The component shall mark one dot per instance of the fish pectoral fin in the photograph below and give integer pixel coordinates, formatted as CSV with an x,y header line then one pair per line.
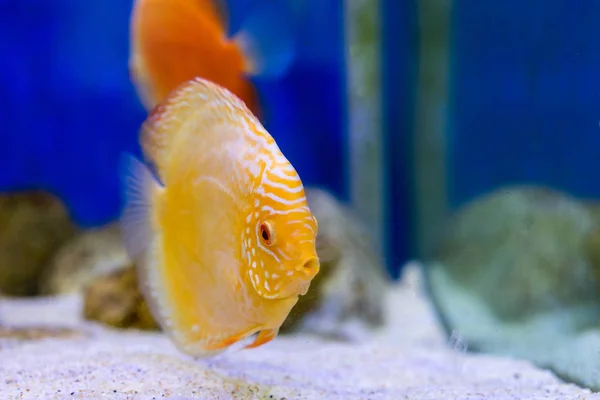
x,y
266,39
263,337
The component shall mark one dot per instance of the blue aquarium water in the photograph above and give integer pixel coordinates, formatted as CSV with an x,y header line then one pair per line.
x,y
523,104
525,96
69,108
399,67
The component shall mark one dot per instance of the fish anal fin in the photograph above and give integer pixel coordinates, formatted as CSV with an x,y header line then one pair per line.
x,y
228,341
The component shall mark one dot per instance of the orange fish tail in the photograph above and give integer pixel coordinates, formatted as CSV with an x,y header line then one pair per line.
x,y
174,41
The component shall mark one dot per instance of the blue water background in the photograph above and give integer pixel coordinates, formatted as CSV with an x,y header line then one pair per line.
x,y
524,101
524,104
68,108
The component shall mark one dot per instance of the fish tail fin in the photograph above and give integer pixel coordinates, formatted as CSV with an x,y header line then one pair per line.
x,y
141,238
139,186
168,42
266,39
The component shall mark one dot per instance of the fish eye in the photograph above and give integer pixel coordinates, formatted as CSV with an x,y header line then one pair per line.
x,y
267,233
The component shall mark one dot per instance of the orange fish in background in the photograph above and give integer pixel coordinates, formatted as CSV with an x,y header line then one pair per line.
x,y
223,237
174,41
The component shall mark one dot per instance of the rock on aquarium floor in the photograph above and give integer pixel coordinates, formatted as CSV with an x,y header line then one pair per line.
x,y
67,358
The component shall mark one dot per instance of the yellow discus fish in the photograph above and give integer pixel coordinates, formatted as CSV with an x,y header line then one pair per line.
x,y
223,237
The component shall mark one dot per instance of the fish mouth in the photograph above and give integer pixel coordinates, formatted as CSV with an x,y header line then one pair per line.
x,y
298,283
306,271
309,268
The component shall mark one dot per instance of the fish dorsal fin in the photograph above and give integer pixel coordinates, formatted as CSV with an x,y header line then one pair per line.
x,y
204,101
219,9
